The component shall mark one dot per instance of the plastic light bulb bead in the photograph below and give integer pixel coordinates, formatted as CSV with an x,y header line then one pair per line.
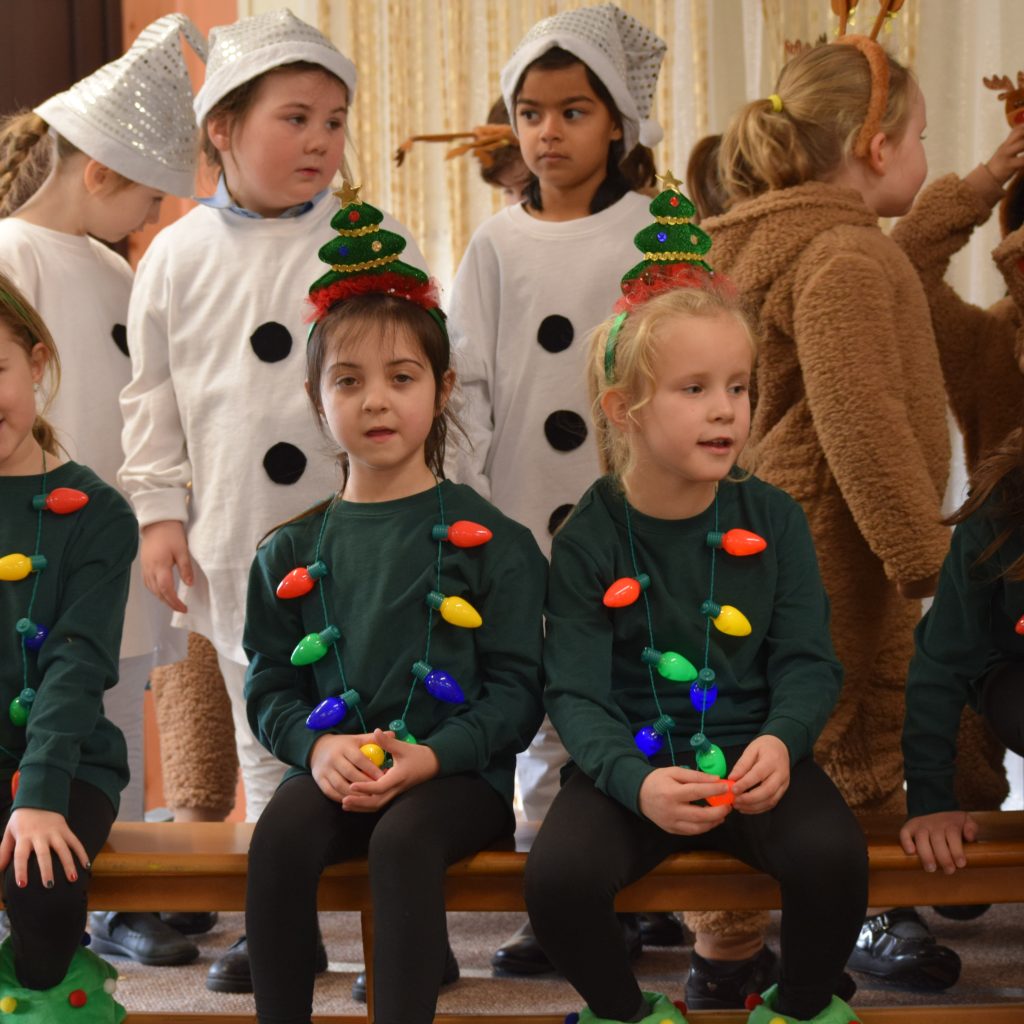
x,y
401,731
651,738
15,781
704,692
17,566
670,665
726,618
300,581
32,634
313,646
373,752
737,542
19,708
440,685
723,798
61,500
456,610
463,533
626,591
332,711
709,757
1019,628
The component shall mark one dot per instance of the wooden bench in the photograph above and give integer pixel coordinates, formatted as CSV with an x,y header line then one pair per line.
x,y
203,867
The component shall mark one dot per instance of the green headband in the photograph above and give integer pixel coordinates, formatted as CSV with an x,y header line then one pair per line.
x,y
609,346
18,308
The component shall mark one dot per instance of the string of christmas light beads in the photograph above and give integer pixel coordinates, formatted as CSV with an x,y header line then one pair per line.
x,y
439,684
670,665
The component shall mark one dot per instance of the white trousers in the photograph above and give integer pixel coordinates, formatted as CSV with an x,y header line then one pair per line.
x,y
538,770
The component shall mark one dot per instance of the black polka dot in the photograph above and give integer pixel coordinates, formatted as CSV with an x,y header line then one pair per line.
x,y
555,333
284,463
271,342
558,517
565,430
120,335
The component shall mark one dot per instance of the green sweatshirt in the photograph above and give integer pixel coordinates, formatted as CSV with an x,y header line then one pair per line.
x,y
781,680
80,598
968,629
382,563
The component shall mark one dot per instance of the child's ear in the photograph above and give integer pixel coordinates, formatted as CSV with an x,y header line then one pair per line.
x,y
97,178
445,391
878,155
38,359
615,406
218,130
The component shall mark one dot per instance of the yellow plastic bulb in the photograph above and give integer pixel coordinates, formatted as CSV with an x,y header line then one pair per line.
x,y
459,612
373,753
18,566
732,621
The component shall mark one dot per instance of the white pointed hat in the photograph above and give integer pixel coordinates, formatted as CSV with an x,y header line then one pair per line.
x,y
135,113
253,46
622,52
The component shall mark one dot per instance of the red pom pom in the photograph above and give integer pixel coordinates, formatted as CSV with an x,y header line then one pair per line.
x,y
423,293
680,1006
751,1001
674,201
353,216
78,999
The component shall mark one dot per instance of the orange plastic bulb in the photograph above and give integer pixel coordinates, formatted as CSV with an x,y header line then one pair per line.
x,y
61,500
737,542
463,534
723,798
625,591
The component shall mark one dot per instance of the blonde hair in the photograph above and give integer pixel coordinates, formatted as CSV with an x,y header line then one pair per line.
x,y
19,316
26,158
634,375
825,94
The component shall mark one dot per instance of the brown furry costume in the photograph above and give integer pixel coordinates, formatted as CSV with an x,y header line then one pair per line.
x,y
850,420
193,715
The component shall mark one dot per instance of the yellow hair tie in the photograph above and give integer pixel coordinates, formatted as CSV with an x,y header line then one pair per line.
x,y
776,101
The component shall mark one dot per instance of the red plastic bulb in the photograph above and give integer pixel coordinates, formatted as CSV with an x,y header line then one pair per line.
x,y
738,542
15,779
625,591
61,500
1019,628
463,533
300,581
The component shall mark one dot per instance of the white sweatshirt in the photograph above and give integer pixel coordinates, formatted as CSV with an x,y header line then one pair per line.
x,y
219,433
525,299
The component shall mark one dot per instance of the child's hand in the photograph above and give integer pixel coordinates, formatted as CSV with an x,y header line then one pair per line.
x,y
1008,159
164,548
761,775
337,762
668,795
939,839
31,830
412,763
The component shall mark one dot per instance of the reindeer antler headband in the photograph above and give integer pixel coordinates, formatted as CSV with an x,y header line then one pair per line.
x,y
878,64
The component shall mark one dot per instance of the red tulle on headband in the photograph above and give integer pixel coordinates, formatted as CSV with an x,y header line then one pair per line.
x,y
657,279
424,293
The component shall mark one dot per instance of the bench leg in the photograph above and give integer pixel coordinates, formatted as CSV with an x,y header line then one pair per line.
x,y
366,920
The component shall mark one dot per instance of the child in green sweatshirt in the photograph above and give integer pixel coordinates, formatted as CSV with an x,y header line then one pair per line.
x,y
969,649
67,541
397,669
688,660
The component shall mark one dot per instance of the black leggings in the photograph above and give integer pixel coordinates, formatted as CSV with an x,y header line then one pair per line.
x,y
1002,704
590,847
410,844
47,924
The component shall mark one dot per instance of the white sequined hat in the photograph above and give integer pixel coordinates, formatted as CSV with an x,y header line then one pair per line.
x,y
622,52
253,46
135,113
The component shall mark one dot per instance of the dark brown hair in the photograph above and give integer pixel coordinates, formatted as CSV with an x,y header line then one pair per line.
x,y
1000,476
703,181
625,172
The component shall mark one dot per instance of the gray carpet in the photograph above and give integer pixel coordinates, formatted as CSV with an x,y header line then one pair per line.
x,y
991,948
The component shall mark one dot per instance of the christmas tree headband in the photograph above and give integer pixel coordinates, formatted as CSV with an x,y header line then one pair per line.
x,y
878,65
365,260
673,249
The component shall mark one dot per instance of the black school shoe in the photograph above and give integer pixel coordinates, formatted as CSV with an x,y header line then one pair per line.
x,y
190,922
662,929
897,948
231,972
522,955
449,977
142,937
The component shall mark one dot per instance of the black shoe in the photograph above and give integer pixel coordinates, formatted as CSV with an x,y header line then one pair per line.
x,y
963,911
142,937
663,929
725,985
191,922
231,972
522,955
449,977
896,947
